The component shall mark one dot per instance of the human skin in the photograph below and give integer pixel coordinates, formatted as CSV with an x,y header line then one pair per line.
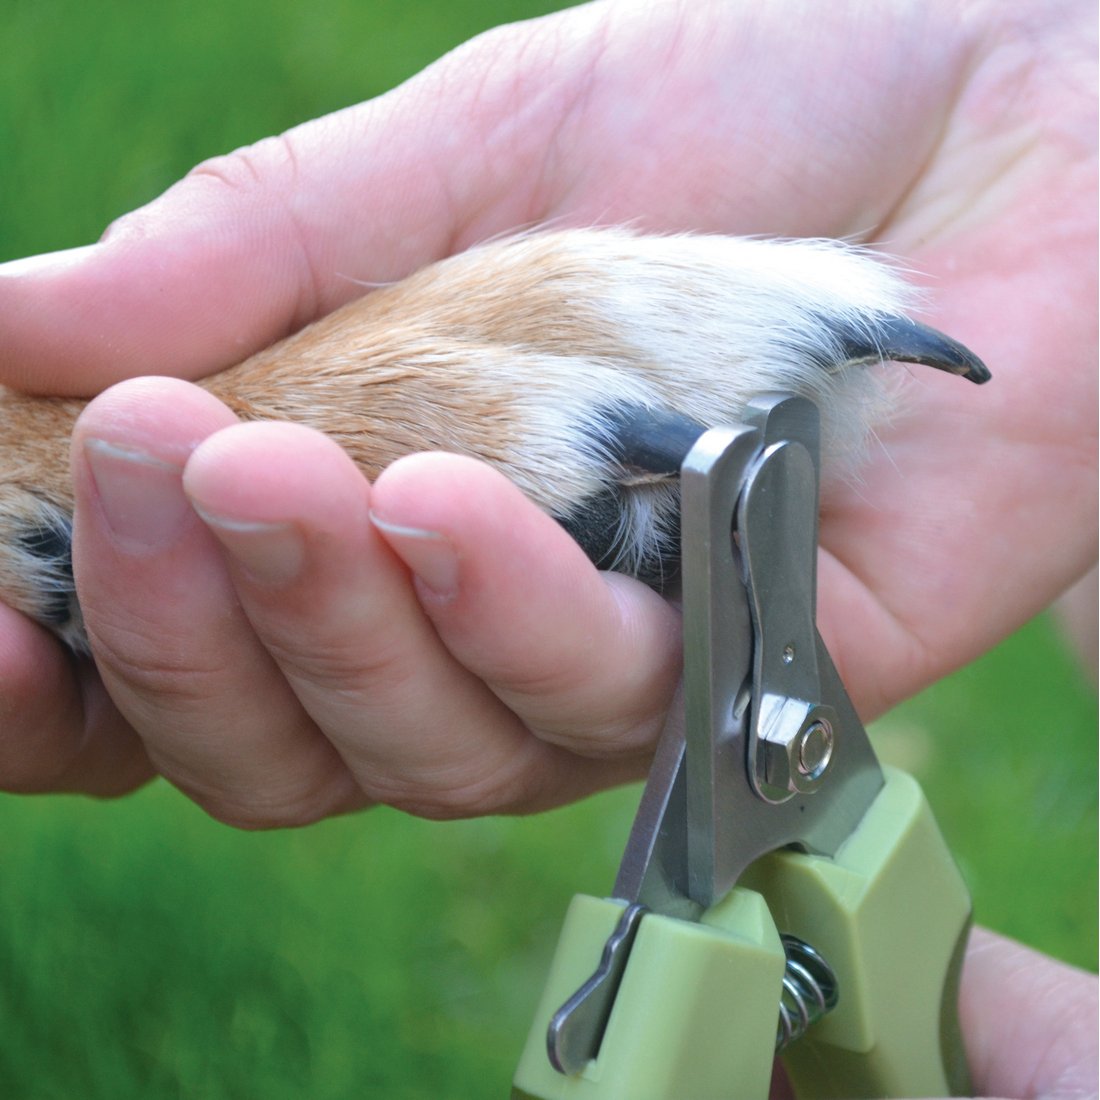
x,y
297,661
959,134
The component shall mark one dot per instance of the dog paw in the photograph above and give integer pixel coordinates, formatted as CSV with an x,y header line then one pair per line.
x,y
580,363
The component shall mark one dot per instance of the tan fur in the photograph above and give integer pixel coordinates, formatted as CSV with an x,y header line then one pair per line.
x,y
458,357
35,489
512,352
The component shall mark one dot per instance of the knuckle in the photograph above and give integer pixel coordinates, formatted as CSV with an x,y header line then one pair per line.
x,y
162,668
449,796
261,165
465,789
542,683
261,807
265,174
603,721
348,667
610,737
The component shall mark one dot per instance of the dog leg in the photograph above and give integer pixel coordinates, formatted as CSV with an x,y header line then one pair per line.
x,y
579,363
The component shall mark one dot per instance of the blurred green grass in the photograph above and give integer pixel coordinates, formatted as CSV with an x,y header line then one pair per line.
x,y
146,951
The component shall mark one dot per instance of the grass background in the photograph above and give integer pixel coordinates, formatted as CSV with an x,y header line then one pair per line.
x,y
146,951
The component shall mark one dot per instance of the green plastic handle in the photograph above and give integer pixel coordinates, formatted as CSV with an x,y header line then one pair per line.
x,y
891,914
695,1016
688,1020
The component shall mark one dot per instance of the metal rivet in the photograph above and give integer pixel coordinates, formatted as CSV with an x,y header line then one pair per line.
x,y
815,749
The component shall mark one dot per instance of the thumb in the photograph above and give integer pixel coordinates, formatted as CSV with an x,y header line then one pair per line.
x,y
1030,1022
252,245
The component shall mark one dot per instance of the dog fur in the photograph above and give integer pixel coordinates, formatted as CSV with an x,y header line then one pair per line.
x,y
523,352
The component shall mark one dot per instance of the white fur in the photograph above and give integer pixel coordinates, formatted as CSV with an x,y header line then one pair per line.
x,y
514,352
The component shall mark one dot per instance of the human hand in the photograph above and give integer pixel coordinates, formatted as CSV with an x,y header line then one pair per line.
x,y
517,676
1029,1023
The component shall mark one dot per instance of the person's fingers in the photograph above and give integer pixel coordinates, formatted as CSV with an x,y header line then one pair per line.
x,y
530,122
1030,1022
417,727
326,686
336,608
588,660
171,642
59,731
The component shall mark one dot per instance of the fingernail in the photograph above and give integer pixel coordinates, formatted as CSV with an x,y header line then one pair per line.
x,y
47,263
430,555
141,495
271,554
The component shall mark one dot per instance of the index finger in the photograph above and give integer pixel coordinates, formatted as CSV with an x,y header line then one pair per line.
x,y
587,660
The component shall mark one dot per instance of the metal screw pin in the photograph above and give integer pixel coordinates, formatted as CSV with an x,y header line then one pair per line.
x,y
815,749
